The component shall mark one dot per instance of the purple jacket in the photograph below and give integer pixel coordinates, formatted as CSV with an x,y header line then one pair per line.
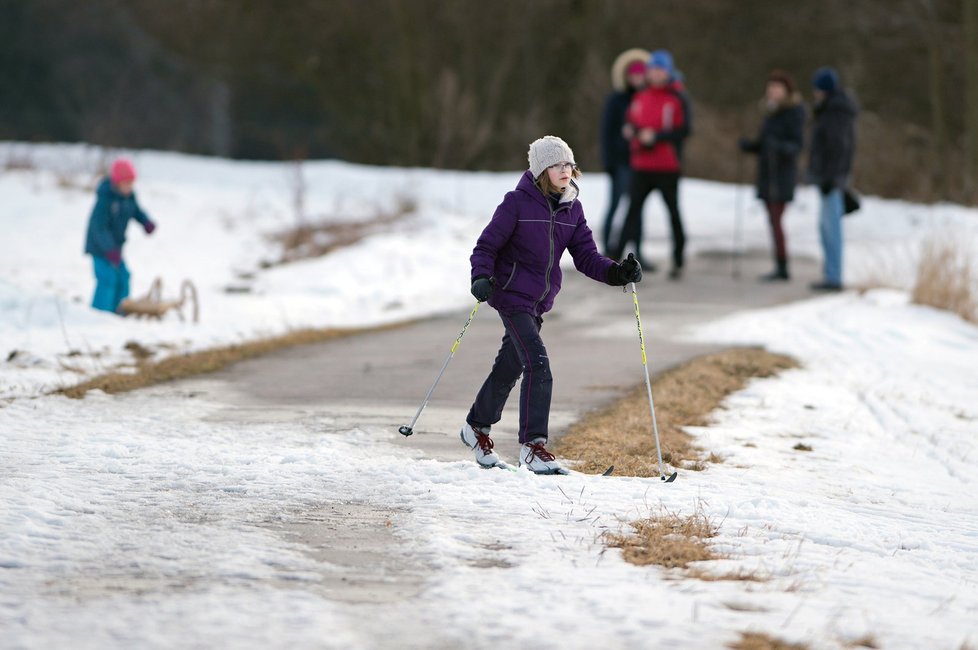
x,y
522,246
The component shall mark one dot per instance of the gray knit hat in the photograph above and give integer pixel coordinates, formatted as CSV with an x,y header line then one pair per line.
x,y
548,150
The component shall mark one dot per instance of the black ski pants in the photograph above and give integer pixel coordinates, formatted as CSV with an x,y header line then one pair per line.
x,y
522,353
642,185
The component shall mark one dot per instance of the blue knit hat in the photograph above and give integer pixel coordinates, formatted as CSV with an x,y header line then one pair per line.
x,y
662,59
825,79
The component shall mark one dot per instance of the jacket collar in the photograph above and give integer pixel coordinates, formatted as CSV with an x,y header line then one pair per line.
x,y
529,186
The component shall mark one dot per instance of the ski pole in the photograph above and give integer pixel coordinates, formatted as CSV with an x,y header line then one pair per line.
x,y
648,388
409,429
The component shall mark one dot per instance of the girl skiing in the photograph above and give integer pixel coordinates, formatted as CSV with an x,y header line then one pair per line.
x,y
516,269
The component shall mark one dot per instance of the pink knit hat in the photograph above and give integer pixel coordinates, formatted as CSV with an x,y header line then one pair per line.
x,y
635,67
123,171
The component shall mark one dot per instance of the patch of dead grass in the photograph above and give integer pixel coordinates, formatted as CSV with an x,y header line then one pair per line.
x,y
674,541
668,540
761,641
148,373
621,433
945,278
317,239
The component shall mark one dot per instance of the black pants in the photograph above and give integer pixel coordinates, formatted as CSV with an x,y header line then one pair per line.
x,y
621,178
642,185
522,353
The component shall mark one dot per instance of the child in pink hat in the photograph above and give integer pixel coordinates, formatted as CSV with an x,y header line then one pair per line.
x,y
115,205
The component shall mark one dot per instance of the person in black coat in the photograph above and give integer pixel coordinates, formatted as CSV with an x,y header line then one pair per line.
x,y
777,146
627,76
832,153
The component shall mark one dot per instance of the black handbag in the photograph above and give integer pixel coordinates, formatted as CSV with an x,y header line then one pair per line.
x,y
850,201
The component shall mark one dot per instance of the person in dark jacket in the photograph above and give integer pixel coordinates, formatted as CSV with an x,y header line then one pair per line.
x,y
657,123
115,205
627,77
516,269
777,146
832,152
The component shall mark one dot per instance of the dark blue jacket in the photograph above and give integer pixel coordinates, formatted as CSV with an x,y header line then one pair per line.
x,y
614,147
110,216
522,246
833,140
778,146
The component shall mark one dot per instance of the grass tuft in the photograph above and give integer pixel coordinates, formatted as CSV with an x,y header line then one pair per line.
x,y
668,540
621,433
761,641
946,279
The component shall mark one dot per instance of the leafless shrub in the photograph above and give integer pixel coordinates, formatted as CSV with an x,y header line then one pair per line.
x,y
946,278
308,240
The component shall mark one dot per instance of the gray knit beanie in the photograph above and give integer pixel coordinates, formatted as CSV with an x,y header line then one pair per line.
x,y
548,150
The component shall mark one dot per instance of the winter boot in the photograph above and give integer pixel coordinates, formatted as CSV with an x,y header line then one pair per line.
x,y
477,439
780,273
535,457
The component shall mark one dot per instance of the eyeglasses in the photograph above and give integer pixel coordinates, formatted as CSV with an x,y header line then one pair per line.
x,y
559,167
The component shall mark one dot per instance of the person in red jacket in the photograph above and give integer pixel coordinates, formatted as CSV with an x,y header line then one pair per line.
x,y
657,122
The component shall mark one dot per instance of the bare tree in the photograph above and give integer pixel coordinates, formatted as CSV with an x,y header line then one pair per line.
x,y
970,19
927,19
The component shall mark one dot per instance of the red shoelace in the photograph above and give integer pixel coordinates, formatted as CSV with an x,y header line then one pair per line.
x,y
483,441
538,450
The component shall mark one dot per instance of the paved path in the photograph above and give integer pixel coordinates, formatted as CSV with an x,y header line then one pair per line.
x,y
375,382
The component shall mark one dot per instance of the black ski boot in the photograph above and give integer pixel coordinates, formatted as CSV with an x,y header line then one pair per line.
x,y
779,274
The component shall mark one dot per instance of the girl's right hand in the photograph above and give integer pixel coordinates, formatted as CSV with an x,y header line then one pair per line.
x,y
628,131
646,136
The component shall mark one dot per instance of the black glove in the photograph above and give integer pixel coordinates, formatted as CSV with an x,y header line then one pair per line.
x,y
825,187
629,270
745,144
482,288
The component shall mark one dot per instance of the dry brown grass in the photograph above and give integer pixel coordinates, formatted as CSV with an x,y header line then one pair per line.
x,y
318,239
668,540
674,541
865,641
761,641
148,373
946,279
621,433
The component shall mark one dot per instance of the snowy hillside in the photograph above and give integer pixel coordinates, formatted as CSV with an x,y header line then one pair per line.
x,y
215,217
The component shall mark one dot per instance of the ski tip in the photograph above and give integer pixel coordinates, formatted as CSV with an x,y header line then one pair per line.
x,y
608,471
670,478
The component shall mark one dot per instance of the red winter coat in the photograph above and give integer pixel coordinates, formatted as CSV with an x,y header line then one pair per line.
x,y
662,109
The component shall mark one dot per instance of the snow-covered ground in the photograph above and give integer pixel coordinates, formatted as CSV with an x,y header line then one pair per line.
x,y
215,216
145,520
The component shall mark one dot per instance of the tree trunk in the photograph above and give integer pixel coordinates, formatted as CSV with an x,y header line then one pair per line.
x,y
970,19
